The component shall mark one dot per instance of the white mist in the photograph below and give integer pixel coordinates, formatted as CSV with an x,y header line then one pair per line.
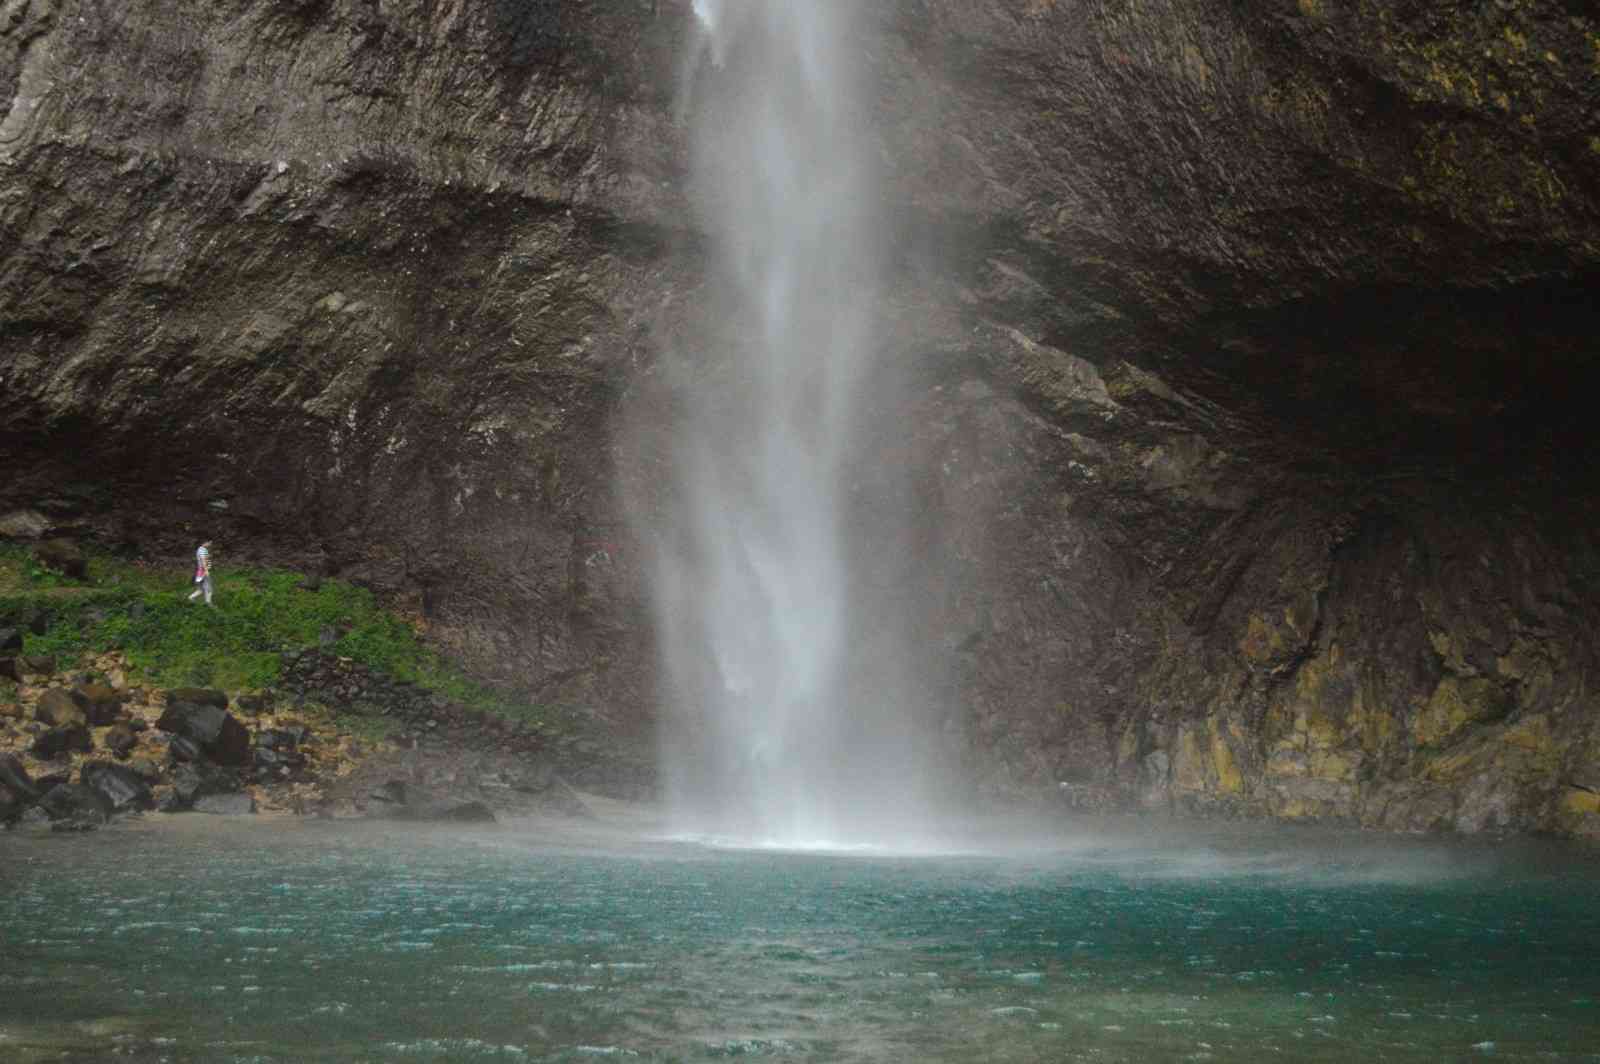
x,y
794,720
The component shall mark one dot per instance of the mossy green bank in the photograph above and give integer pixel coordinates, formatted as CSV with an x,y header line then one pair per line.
x,y
235,645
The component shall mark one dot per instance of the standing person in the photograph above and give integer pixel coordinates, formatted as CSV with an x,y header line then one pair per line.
x,y
202,572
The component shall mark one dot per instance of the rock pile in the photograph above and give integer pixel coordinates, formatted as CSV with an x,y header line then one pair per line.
x,y
74,753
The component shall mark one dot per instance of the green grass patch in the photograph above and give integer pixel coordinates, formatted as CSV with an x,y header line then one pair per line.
x,y
235,645
367,727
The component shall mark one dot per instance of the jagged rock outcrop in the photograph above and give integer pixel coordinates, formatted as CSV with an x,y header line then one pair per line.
x,y
1242,350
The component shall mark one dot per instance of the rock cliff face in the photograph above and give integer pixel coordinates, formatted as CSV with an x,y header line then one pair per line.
x,y
1244,351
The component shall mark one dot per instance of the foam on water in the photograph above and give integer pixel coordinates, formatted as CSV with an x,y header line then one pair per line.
x,y
800,845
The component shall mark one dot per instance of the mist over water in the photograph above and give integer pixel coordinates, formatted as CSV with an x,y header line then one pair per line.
x,y
204,940
794,714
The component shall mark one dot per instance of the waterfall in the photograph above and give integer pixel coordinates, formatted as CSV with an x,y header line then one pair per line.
x,y
793,716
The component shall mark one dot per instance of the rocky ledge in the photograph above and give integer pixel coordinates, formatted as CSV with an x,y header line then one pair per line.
x,y
80,748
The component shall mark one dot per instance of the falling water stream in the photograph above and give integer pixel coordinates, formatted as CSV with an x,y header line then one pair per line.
x,y
786,729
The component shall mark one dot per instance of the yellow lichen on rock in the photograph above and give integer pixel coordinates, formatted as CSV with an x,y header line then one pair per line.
x,y
1454,704
1578,812
1229,779
1189,762
1525,750
1456,765
1203,762
1449,650
1375,725
1266,642
1327,728
1324,728
1262,640
1298,809
1575,801
1331,765
1529,750
1532,733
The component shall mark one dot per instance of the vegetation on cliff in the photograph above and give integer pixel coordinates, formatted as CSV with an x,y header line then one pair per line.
x,y
259,613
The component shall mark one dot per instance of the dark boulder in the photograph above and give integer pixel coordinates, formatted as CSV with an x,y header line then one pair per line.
x,y
217,731
278,738
10,641
59,709
392,791
64,556
76,806
226,805
184,749
12,803
58,741
265,756
37,664
121,786
253,705
51,780
120,740
198,696
14,776
10,669
33,817
192,782
276,764
147,769
101,704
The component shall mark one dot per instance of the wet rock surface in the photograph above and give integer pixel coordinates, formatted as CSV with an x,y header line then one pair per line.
x,y
57,742
58,709
177,752
235,804
76,807
120,739
215,731
122,787
14,774
1241,359
401,802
